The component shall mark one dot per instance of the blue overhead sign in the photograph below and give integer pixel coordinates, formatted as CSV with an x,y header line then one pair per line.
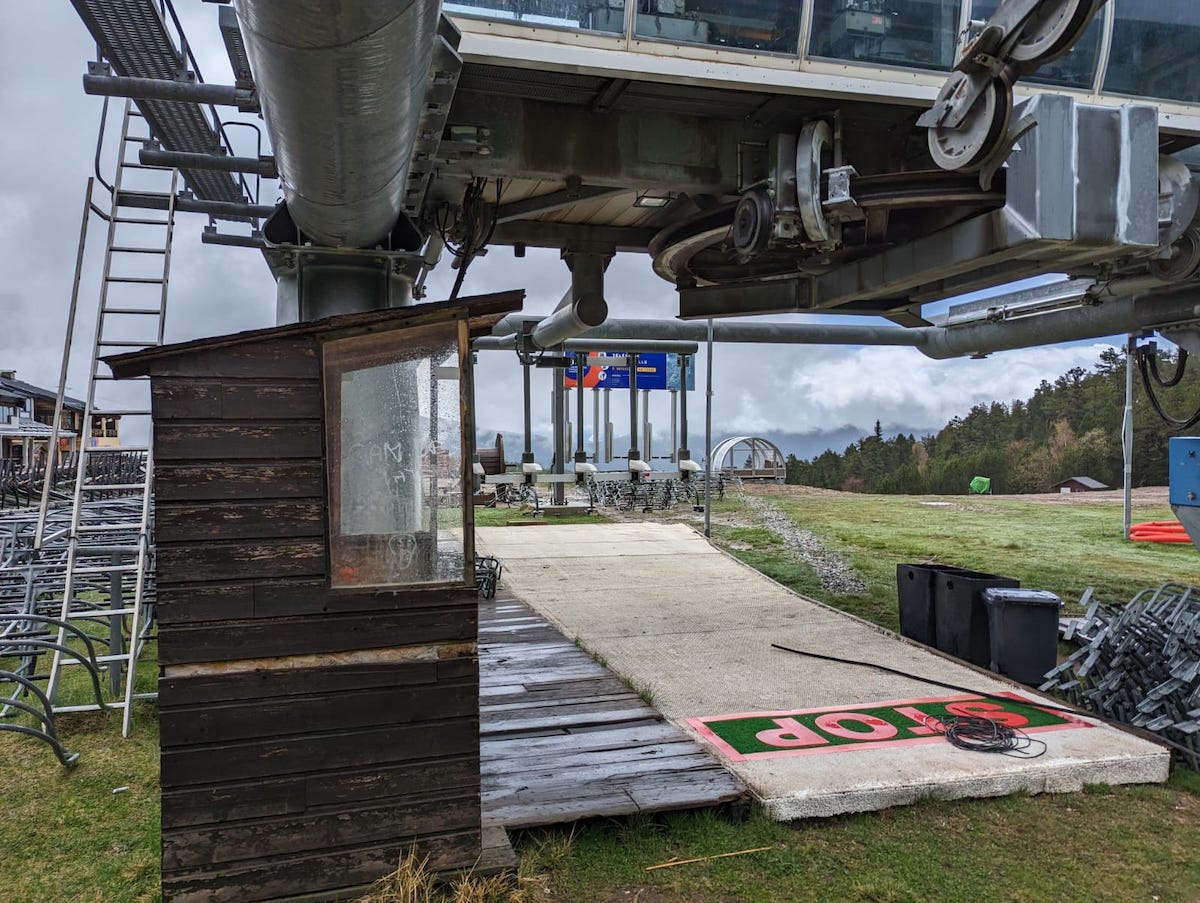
x,y
610,370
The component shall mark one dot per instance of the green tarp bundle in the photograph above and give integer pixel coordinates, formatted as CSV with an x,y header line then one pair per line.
x,y
981,485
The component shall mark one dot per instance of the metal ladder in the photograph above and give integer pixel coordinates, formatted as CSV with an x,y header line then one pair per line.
x,y
110,541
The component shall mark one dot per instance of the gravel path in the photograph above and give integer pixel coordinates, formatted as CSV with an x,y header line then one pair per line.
x,y
836,575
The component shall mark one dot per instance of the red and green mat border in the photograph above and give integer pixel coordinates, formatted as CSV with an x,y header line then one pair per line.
x,y
814,731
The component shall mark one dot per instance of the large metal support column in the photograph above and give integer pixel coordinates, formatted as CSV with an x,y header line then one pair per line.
x,y
580,367
527,452
674,426
708,474
327,286
344,160
608,427
684,453
647,435
635,453
596,425
559,395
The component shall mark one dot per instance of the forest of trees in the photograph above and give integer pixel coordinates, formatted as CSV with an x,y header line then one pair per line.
x,y
1070,428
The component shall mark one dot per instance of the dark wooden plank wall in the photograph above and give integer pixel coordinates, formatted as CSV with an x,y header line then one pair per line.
x,y
308,737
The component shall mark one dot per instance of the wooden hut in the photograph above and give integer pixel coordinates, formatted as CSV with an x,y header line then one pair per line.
x,y
316,604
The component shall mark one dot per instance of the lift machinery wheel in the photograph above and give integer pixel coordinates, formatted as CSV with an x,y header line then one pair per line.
x,y
1051,30
965,148
752,219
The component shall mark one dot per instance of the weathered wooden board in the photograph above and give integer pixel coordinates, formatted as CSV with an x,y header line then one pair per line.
x,y
191,440
215,764
261,798
287,875
237,519
219,479
563,739
222,641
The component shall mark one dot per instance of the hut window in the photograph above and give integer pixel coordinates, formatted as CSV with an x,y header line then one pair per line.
x,y
394,458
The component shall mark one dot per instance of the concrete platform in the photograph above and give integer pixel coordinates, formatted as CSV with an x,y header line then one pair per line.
x,y
810,738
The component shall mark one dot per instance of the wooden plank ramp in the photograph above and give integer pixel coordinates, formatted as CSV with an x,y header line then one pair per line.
x,y
563,739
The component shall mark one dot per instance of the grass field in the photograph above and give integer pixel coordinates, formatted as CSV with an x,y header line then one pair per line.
x,y
1044,543
68,836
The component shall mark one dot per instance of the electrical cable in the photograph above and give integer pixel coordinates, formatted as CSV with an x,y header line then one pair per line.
x,y
1046,707
471,223
977,734
1147,360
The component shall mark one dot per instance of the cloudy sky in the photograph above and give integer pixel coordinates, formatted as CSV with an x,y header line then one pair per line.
x,y
812,394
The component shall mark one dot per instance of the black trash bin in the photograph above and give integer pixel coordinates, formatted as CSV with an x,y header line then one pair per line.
x,y
962,619
914,593
1024,632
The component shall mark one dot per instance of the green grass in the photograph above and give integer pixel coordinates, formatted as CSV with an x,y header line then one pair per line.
x,y
1057,547
65,833
1118,844
501,516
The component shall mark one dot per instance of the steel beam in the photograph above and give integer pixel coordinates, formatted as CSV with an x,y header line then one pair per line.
x,y
219,209
169,89
262,166
555,200
537,234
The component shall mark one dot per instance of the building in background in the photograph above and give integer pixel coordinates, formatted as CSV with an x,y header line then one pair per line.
x,y
27,421
1079,484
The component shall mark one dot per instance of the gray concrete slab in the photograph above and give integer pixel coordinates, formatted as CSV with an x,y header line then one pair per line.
x,y
676,615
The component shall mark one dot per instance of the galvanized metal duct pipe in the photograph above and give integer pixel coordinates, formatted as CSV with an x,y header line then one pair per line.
x,y
1110,318
1114,313
643,346
341,87
582,308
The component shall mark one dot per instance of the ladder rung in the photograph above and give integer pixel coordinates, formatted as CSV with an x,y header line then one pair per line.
x,y
100,659
146,166
88,551
123,412
111,487
138,221
110,528
123,379
123,249
135,139
104,569
122,344
91,615
130,310
103,449
90,707
137,280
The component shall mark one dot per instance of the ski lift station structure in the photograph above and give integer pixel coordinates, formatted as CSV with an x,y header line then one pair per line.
x,y
847,157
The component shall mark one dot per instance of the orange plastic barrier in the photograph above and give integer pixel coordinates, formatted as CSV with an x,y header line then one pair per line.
x,y
1158,531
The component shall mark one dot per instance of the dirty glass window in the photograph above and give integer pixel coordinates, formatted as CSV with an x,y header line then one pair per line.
x,y
921,34
394,458
1154,49
768,26
1076,69
597,15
